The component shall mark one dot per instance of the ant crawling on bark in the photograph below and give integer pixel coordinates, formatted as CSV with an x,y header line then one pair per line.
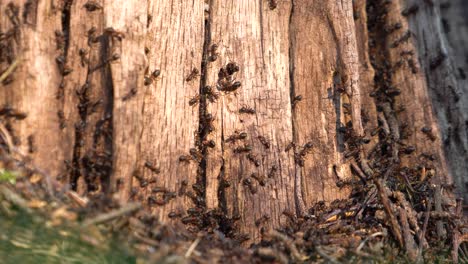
x,y
247,110
213,53
272,4
194,100
249,184
152,168
265,142
130,94
253,159
150,79
236,136
226,79
193,74
296,100
92,6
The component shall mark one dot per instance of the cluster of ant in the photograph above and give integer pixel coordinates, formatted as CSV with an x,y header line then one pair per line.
x,y
226,78
94,166
391,132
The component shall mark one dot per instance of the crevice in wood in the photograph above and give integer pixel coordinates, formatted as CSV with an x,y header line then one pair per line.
x,y
262,42
66,17
223,184
385,91
93,163
298,184
203,130
62,42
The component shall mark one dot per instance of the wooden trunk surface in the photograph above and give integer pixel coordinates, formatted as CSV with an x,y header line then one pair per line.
x,y
99,119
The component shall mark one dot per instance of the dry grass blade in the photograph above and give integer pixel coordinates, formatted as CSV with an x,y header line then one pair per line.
x,y
102,218
192,247
14,198
5,136
10,69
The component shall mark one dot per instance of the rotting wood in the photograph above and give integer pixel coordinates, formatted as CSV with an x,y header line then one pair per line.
x,y
257,41
441,28
122,98
170,123
86,95
129,18
37,76
389,210
415,92
408,238
327,80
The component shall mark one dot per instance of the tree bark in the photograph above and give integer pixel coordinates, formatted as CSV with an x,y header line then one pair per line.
x,y
117,99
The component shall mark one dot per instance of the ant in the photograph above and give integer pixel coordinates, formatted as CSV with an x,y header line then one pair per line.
x,y
114,33
196,155
59,39
245,148
296,100
213,53
92,6
253,159
437,61
236,136
31,147
83,52
248,182
272,4
247,110
152,168
192,75
185,158
226,80
174,214
428,131
260,179
265,142
143,182
130,94
150,79
410,10
290,146
210,94
262,220
402,39
194,100
183,187
273,171
209,143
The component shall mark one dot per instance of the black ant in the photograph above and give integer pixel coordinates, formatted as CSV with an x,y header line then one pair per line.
x,y
246,110
92,6
192,75
272,4
130,94
150,79
253,159
296,100
265,142
152,168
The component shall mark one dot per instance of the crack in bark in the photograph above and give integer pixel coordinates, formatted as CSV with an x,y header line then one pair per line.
x,y
298,197
203,104
66,17
65,23
96,163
